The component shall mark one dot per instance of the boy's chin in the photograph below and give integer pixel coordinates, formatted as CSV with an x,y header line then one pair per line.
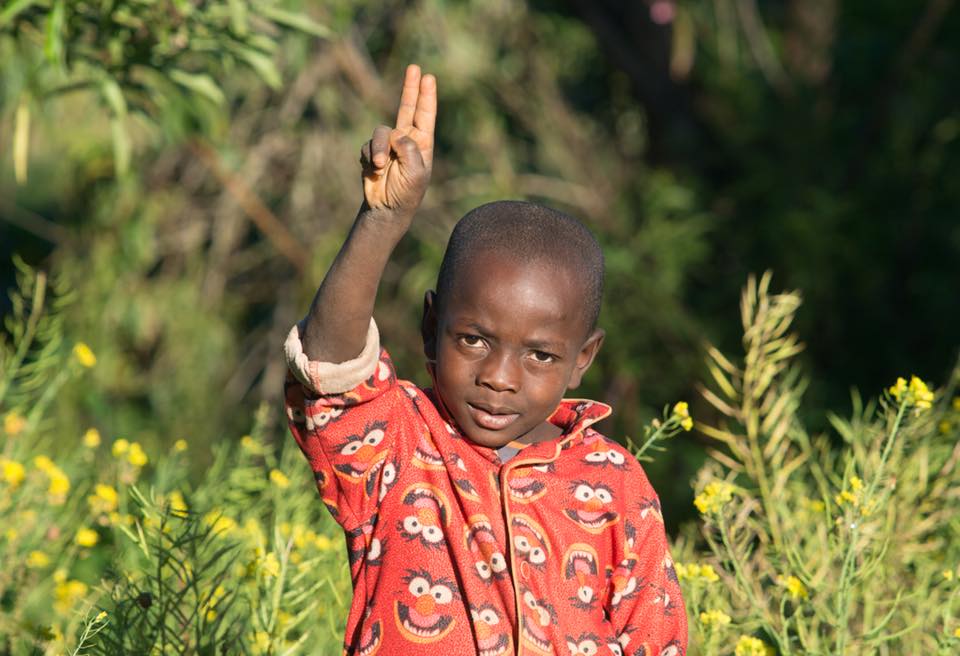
x,y
487,439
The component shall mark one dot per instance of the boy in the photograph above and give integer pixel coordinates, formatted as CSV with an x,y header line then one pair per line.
x,y
482,516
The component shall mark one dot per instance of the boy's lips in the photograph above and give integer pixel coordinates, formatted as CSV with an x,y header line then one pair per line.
x,y
492,418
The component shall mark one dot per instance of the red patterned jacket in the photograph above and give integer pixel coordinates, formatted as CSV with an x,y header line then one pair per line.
x,y
559,550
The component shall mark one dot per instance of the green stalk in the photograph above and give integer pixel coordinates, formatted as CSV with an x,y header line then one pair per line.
x,y
846,576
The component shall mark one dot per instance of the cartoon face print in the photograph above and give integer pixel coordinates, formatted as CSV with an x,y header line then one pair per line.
x,y
467,489
493,637
537,616
625,583
372,636
672,648
361,453
530,541
319,416
651,508
426,515
423,613
489,561
605,455
669,569
388,477
525,489
591,506
630,532
426,455
375,552
663,599
615,648
580,563
587,644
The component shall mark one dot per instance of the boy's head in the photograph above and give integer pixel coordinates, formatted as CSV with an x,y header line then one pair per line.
x,y
512,324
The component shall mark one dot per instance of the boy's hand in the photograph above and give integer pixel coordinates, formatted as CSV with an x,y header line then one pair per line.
x,y
397,162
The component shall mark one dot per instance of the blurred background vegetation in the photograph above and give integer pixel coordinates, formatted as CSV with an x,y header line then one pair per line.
x,y
189,169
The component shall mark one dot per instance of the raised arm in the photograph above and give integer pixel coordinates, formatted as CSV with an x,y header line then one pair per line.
x,y
396,170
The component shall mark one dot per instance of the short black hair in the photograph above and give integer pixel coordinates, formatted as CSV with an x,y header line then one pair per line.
x,y
527,231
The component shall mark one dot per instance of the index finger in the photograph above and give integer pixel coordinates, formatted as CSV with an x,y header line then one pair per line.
x,y
425,116
408,97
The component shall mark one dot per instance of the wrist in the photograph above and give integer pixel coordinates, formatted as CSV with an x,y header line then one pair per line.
x,y
387,223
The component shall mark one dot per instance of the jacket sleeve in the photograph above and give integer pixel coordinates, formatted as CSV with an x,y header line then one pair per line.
x,y
343,416
643,600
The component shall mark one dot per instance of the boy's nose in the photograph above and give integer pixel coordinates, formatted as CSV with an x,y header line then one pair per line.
x,y
499,372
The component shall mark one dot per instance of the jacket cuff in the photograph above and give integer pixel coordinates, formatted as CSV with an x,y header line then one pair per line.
x,y
329,377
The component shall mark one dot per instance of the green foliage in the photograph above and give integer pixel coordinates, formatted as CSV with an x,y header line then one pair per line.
x,y
813,547
109,550
155,58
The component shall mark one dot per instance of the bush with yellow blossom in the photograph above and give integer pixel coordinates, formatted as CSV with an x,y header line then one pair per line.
x,y
842,543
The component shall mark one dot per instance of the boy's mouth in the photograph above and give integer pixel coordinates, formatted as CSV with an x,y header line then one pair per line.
x,y
492,418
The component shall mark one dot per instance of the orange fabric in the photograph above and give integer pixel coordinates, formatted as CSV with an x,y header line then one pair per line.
x,y
560,550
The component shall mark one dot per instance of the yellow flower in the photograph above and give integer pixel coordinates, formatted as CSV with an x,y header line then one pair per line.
x,y
712,618
120,447
180,446
37,560
84,355
947,574
178,506
944,426
956,632
249,444
103,500
261,642
219,523
87,537
856,484
136,456
101,616
794,586
91,439
67,593
59,575
750,646
59,486
270,565
13,472
279,479
44,464
13,423
956,403
714,496
682,410
324,543
916,393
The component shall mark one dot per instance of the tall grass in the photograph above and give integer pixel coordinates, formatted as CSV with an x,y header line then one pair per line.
x,y
845,543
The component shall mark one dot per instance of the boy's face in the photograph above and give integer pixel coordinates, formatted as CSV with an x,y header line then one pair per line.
x,y
508,342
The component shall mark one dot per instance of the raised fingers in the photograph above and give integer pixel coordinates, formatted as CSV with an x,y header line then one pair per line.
x,y
409,96
425,116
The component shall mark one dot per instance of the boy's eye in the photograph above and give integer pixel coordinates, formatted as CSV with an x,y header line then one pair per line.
x,y
472,341
543,357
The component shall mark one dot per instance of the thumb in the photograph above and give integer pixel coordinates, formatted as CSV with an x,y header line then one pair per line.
x,y
406,149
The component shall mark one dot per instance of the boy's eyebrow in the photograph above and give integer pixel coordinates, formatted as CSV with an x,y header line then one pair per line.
x,y
536,344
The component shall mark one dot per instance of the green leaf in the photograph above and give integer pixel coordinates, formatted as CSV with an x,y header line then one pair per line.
x,y
53,44
14,8
114,96
300,22
121,146
199,82
238,17
263,65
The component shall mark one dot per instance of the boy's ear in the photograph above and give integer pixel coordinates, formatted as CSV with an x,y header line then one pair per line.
x,y
428,326
585,357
